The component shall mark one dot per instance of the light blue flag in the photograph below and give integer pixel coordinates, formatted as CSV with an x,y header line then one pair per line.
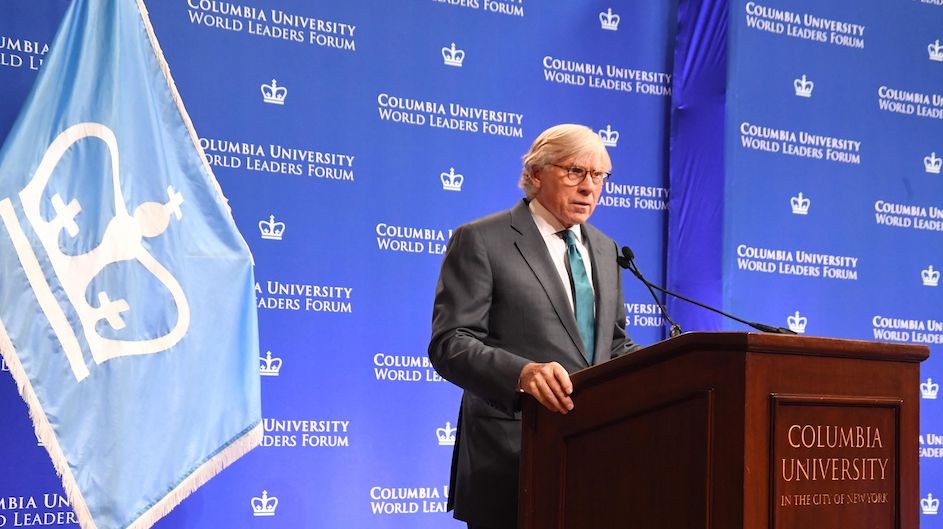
x,y
127,309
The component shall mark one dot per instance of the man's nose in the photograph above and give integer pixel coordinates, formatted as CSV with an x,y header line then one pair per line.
x,y
586,186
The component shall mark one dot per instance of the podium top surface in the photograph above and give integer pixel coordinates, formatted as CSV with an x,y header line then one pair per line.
x,y
749,342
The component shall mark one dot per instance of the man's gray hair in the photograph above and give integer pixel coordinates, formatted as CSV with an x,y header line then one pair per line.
x,y
559,143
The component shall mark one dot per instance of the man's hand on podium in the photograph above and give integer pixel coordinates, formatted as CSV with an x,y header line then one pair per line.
x,y
548,383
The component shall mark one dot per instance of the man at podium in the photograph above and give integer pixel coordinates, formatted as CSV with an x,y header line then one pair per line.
x,y
524,298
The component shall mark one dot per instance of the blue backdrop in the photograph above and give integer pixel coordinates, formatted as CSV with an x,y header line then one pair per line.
x,y
801,141
816,204
832,189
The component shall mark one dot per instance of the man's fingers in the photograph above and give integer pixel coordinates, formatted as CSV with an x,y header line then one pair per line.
x,y
561,394
561,385
546,396
563,377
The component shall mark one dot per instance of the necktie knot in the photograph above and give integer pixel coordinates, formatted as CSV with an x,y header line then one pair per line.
x,y
569,237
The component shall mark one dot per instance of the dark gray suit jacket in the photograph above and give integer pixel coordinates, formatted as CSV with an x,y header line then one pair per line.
x,y
499,305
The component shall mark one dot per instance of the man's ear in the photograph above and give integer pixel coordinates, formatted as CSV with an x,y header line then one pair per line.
x,y
535,177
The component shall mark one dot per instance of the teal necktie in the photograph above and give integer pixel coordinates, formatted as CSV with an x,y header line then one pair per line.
x,y
583,300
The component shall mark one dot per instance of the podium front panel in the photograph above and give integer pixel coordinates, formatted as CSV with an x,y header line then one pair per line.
x,y
834,462
613,469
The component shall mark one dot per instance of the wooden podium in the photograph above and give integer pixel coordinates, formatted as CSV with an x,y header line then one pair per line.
x,y
728,431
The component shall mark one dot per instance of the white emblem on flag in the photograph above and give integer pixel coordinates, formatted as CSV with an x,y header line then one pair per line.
x,y
122,241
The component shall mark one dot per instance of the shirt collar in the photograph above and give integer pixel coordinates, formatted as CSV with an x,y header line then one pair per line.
x,y
547,224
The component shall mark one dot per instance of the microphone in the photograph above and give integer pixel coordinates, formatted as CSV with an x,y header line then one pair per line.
x,y
627,261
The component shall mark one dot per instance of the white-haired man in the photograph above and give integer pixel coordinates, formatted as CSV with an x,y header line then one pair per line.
x,y
525,297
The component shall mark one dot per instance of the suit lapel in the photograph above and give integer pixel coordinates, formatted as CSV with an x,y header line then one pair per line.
x,y
602,254
534,251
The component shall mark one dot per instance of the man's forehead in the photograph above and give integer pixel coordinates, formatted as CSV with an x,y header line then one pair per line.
x,y
590,160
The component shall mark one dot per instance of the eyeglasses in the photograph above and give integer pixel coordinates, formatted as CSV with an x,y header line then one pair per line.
x,y
576,174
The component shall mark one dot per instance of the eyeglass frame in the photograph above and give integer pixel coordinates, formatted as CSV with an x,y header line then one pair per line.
x,y
597,177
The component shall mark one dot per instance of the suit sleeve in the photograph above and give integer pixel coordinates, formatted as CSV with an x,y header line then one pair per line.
x,y
621,342
459,348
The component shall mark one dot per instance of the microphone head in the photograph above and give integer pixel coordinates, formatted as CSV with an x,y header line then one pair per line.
x,y
627,252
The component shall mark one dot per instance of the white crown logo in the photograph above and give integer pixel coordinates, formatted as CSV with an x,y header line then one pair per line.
x,y
453,56
264,506
936,51
446,435
800,204
797,323
608,20
452,181
932,164
274,94
929,389
123,242
930,277
610,138
270,229
269,366
929,505
803,87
